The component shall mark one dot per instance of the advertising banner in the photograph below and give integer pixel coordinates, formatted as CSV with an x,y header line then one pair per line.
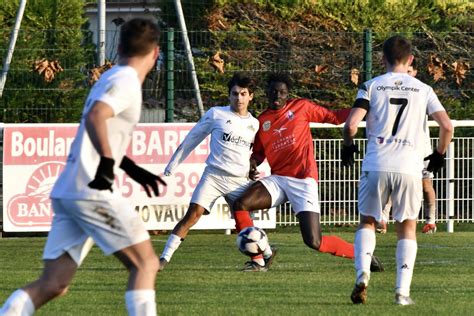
x,y
35,154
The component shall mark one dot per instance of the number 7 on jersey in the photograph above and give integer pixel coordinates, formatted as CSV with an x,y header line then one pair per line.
x,y
398,101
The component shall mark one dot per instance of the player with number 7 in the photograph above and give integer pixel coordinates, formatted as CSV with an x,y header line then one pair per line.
x,y
396,105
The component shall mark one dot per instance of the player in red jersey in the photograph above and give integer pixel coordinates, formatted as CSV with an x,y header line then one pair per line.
x,y
285,140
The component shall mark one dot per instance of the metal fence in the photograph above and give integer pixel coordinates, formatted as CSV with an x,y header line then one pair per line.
x,y
454,185
320,71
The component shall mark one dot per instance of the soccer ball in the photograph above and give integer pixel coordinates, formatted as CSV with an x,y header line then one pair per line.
x,y
252,241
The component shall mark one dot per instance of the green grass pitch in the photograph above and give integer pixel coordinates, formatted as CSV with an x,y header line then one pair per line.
x,y
203,277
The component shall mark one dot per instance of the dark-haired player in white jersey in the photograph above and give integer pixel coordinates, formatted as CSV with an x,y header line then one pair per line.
x,y
396,106
429,194
232,129
85,200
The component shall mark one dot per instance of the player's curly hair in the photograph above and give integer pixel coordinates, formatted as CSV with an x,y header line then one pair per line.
x,y
242,80
279,77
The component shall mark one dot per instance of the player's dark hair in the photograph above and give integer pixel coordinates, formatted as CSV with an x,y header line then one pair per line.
x,y
397,49
413,64
243,81
138,37
279,77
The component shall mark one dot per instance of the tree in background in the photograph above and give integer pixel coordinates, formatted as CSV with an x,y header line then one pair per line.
x,y
320,43
45,82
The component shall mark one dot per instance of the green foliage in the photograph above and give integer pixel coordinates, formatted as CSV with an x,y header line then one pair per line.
x,y
50,29
295,36
254,36
380,15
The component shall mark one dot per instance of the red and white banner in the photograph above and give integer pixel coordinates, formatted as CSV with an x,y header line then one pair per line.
x,y
35,154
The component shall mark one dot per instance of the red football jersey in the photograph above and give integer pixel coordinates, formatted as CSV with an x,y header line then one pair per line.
x,y
284,137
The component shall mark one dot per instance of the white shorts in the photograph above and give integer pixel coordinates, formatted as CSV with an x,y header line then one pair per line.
x,y
214,184
301,193
113,225
405,191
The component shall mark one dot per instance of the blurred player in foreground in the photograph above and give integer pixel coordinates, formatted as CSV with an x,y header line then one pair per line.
x,y
429,195
232,129
396,106
85,201
285,140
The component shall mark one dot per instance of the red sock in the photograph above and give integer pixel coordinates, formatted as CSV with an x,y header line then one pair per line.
x,y
337,247
242,220
254,258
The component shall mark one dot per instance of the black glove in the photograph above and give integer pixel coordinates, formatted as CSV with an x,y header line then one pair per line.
x,y
347,154
142,176
104,176
436,161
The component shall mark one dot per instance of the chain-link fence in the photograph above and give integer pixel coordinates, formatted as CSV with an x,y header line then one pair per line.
x,y
325,66
328,74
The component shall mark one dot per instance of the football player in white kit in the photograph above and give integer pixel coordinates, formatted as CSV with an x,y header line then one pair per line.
x,y
85,200
429,194
397,106
232,129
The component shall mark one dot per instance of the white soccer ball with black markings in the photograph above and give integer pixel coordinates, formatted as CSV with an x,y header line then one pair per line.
x,y
252,241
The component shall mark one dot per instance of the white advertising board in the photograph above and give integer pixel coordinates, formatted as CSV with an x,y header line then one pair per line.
x,y
35,154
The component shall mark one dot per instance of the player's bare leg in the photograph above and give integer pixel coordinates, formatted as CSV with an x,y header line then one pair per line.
x,y
310,228
405,260
53,282
429,201
142,263
180,231
254,198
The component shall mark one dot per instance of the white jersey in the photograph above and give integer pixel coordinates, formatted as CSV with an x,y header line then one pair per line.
x,y
120,88
398,105
232,138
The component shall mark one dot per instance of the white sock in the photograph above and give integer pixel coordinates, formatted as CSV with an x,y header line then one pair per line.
x,y
140,302
267,253
171,245
406,255
18,304
364,246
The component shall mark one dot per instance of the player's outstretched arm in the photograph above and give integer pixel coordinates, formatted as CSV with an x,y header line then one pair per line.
x,y
96,126
436,159
350,130
320,114
257,157
445,130
144,177
253,172
196,135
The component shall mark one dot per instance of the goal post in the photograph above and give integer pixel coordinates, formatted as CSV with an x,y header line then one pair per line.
x,y
11,46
